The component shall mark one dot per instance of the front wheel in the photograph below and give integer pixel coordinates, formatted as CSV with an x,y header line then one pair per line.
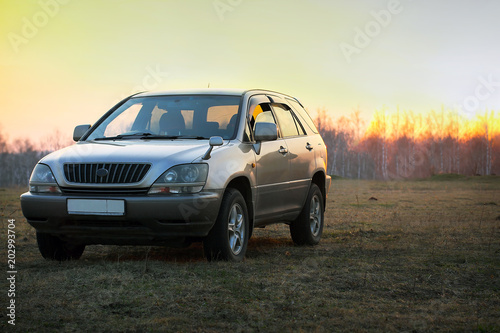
x,y
308,227
228,238
53,248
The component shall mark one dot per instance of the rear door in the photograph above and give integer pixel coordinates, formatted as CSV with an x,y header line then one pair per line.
x,y
300,155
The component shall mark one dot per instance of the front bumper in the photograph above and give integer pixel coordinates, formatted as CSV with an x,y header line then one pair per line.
x,y
148,220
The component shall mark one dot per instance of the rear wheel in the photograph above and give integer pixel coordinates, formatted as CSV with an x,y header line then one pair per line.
x,y
228,238
308,227
53,248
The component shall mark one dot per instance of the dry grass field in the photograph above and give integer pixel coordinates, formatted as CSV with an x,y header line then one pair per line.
x,y
424,256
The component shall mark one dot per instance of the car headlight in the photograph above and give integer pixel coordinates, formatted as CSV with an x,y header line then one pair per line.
x,y
185,178
42,180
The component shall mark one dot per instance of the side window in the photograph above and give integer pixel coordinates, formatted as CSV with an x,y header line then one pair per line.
x,y
254,108
260,113
300,126
302,115
289,125
263,114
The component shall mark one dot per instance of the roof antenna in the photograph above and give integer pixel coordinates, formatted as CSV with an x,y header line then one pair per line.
x,y
208,84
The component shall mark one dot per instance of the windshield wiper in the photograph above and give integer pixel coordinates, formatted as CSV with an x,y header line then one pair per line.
x,y
123,136
173,137
150,136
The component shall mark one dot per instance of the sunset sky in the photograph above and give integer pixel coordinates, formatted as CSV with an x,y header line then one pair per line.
x,y
65,63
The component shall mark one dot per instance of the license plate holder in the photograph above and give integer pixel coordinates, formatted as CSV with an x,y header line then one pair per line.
x,y
103,207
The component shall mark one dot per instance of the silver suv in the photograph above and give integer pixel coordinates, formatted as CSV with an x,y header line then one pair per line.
x,y
178,167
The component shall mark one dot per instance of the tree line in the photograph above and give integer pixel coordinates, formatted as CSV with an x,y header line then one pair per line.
x,y
403,144
393,145
19,157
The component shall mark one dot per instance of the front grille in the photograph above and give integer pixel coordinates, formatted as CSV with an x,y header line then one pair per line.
x,y
109,173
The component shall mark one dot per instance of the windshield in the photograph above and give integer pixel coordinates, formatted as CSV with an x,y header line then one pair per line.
x,y
171,117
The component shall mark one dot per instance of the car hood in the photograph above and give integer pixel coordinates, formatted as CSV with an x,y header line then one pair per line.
x,y
160,154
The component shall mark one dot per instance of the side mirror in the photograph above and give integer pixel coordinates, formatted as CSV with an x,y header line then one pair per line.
x,y
264,132
80,131
214,141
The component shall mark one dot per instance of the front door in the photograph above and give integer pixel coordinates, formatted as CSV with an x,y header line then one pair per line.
x,y
272,170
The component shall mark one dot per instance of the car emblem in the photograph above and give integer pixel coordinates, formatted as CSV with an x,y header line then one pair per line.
x,y
102,173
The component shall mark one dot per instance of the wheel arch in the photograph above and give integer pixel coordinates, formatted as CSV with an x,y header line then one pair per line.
x,y
242,184
319,179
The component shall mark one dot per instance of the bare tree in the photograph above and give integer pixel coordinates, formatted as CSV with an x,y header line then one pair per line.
x,y
358,124
55,141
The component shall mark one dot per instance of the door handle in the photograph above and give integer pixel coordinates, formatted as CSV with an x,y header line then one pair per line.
x,y
283,150
309,147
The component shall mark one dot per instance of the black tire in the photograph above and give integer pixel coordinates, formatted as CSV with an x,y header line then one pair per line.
x,y
53,248
308,227
228,239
